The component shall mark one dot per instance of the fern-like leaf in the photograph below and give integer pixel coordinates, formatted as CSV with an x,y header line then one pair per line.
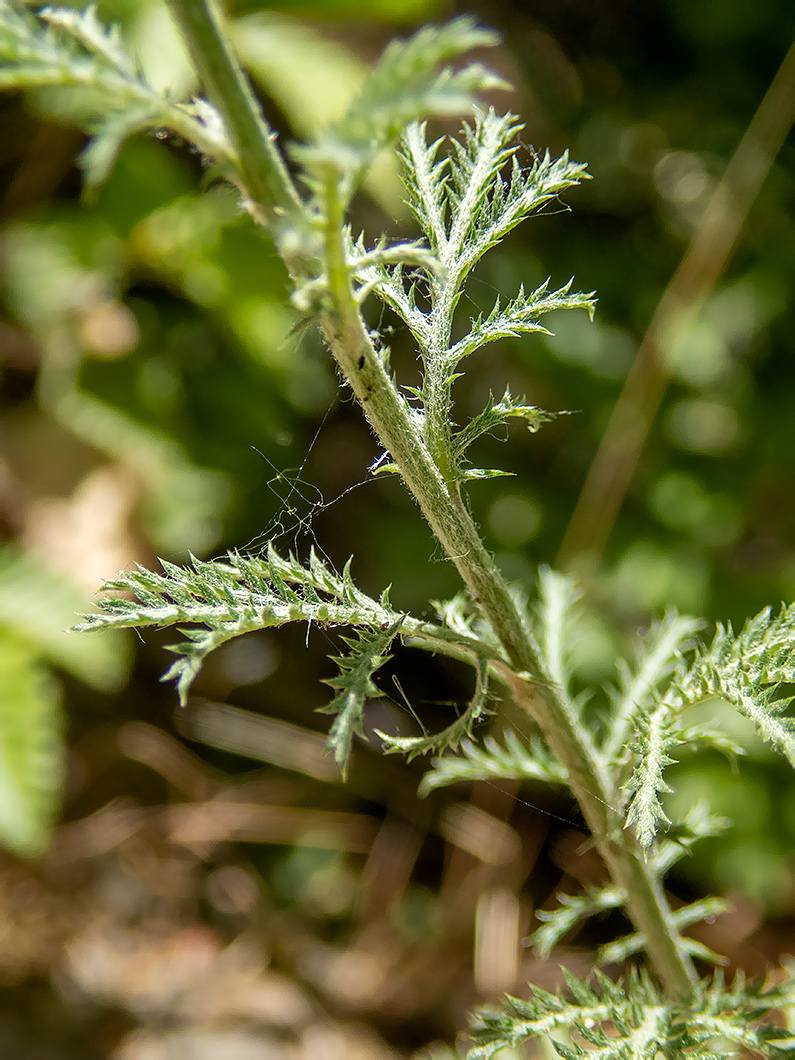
x,y
411,80
99,86
496,413
655,738
426,183
451,736
515,759
571,911
631,1020
520,316
626,946
462,618
86,29
633,1005
657,653
354,686
748,670
483,205
554,627
476,192
465,206
222,600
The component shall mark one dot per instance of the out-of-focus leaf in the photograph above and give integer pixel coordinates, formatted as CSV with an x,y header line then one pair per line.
x,y
31,765
400,12
39,607
313,79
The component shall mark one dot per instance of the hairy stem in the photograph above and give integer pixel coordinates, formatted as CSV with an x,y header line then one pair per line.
x,y
437,385
262,168
597,798
401,432
452,524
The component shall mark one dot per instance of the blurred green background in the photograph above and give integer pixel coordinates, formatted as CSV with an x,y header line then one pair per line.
x,y
158,398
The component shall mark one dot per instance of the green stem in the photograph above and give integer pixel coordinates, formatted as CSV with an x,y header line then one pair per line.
x,y
392,421
438,377
401,432
261,165
597,798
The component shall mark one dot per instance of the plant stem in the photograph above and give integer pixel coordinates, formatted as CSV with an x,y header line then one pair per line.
x,y
262,168
399,429
452,524
646,902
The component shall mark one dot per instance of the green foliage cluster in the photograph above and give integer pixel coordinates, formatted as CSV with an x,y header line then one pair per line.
x,y
467,194
643,1021
73,51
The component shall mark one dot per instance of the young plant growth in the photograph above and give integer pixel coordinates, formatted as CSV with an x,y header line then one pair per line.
x,y
467,194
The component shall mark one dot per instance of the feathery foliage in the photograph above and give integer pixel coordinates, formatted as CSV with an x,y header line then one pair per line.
x,y
631,1019
453,735
467,194
410,81
570,913
465,206
555,631
100,86
750,671
223,600
355,685
657,654
515,759
645,810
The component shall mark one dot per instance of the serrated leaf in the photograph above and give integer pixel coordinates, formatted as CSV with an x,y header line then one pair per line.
x,y
426,182
31,753
215,602
520,316
631,1020
631,1004
452,736
748,670
555,626
85,28
483,205
494,414
571,911
411,81
656,655
355,685
625,946
645,813
515,759
222,600
92,80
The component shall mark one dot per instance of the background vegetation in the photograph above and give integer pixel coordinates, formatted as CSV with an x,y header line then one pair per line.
x,y
157,399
